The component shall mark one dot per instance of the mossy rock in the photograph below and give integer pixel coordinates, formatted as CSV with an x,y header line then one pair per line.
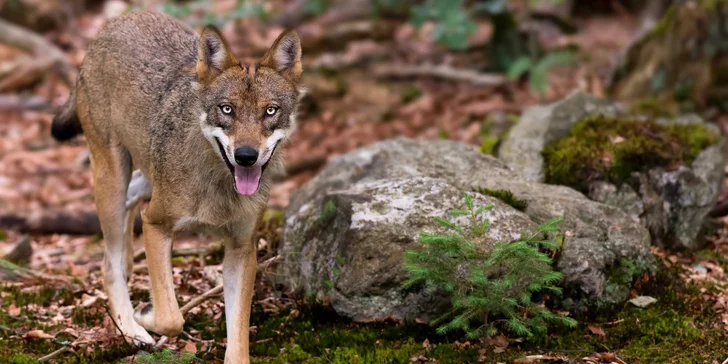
x,y
600,148
666,173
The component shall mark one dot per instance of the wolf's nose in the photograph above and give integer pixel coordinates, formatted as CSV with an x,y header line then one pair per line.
x,y
246,156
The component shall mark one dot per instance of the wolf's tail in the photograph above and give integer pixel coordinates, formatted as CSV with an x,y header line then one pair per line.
x,y
66,124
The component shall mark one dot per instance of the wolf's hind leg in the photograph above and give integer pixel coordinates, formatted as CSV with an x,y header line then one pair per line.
x,y
111,170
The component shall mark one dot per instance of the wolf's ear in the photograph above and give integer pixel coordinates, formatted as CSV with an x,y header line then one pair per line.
x,y
285,55
213,55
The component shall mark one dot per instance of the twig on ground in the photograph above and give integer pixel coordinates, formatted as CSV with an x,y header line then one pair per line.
x,y
56,221
201,298
115,324
54,354
443,72
268,262
189,336
184,252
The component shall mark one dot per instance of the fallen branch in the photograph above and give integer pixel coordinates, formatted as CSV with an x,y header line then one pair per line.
x,y
442,72
16,102
185,252
47,57
57,221
201,298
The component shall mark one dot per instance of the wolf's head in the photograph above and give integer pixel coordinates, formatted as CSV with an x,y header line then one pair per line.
x,y
249,108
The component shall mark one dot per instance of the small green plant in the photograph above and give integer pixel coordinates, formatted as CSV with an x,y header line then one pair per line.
x,y
492,290
327,213
537,68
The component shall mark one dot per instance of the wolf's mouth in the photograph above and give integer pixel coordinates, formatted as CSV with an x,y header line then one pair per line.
x,y
246,180
224,156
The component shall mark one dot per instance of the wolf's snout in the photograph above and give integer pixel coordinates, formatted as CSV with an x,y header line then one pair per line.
x,y
246,156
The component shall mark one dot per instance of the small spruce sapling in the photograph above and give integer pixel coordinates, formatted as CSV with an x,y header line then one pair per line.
x,y
492,289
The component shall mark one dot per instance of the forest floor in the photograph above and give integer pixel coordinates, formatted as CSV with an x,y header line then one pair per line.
x,y
59,307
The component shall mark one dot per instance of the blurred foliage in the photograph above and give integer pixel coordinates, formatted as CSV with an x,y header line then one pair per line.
x,y
186,10
453,23
537,69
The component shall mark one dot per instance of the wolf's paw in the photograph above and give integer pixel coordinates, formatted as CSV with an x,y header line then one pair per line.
x,y
136,333
169,324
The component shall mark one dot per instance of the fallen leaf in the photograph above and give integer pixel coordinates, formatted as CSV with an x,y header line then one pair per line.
x,y
643,301
596,330
88,301
13,310
616,139
37,334
190,347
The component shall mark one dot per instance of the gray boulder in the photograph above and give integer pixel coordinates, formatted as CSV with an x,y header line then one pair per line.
x,y
346,230
671,204
542,124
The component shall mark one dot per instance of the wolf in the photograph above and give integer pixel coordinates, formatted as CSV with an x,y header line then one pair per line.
x,y
205,132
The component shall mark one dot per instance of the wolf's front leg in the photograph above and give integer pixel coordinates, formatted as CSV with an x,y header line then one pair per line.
x,y
163,315
239,268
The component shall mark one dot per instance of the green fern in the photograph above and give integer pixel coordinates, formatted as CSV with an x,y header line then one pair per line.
x,y
492,290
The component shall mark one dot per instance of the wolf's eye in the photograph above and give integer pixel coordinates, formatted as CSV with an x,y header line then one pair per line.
x,y
271,110
226,109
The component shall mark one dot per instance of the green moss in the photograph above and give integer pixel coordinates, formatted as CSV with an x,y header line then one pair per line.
x,y
165,357
654,108
505,196
604,148
488,144
21,358
663,24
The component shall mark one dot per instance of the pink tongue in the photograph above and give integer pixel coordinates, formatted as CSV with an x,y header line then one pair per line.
x,y
247,179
